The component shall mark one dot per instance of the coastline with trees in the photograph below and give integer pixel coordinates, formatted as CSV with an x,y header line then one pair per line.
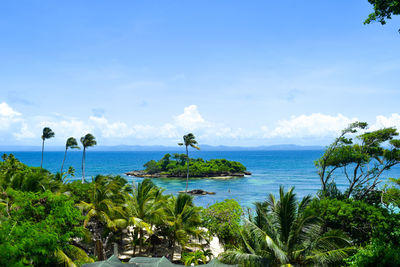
x,y
46,220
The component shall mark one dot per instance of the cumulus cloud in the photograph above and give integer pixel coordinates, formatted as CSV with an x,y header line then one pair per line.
x,y
384,122
7,111
191,119
10,119
314,125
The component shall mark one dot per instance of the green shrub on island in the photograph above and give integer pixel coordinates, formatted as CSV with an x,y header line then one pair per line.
x,y
176,166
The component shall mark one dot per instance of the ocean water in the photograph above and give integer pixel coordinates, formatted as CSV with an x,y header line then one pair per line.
x,y
270,169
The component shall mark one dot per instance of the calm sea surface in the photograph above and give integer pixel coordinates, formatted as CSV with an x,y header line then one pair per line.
x,y
270,169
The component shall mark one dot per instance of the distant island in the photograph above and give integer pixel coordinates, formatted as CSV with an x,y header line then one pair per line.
x,y
175,166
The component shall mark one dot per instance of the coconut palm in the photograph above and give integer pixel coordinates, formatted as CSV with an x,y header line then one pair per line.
x,y
87,141
144,208
47,134
71,143
103,211
183,221
188,140
281,233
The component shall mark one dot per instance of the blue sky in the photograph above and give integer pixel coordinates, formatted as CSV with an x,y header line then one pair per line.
x,y
232,72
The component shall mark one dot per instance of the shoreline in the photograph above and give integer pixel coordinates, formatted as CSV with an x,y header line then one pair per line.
x,y
141,174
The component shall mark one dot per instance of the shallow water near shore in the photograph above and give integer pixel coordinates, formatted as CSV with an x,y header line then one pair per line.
x,y
270,169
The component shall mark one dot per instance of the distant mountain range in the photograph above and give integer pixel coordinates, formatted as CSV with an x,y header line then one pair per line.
x,y
167,148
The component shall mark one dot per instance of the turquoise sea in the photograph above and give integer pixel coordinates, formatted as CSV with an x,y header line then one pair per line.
x,y
270,169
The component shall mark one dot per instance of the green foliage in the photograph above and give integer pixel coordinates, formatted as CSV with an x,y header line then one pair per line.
x,y
378,253
77,191
360,220
223,220
198,167
17,175
197,257
282,233
383,10
182,220
362,160
391,194
38,226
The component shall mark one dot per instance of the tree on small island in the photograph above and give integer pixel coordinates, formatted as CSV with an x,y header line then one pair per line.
x,y
188,140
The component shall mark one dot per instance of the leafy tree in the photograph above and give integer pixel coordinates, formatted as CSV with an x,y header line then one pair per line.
x,y
87,141
47,134
188,140
391,195
362,160
360,220
71,143
197,167
281,233
18,176
152,167
39,229
383,10
378,253
223,220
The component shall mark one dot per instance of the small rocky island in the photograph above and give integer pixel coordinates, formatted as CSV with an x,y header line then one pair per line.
x,y
174,166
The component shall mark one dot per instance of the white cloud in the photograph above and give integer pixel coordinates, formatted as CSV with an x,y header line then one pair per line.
x,y
115,129
311,128
314,125
384,122
24,132
7,111
191,119
10,120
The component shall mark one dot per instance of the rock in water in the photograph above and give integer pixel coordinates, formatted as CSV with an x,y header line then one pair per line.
x,y
198,192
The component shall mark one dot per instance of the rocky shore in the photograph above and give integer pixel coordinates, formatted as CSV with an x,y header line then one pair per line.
x,y
227,175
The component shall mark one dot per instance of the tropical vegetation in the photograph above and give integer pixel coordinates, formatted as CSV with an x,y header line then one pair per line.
x,y
46,220
177,165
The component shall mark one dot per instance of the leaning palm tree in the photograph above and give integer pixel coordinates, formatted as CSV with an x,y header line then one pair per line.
x,y
281,233
87,141
188,140
47,134
71,143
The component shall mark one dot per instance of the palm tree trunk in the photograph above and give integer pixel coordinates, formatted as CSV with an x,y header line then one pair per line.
x,y
172,251
41,163
83,165
187,173
140,240
62,165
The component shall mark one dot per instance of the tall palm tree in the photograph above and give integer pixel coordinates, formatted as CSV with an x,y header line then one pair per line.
x,y
145,207
87,141
188,140
103,210
47,134
71,143
281,233
183,221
